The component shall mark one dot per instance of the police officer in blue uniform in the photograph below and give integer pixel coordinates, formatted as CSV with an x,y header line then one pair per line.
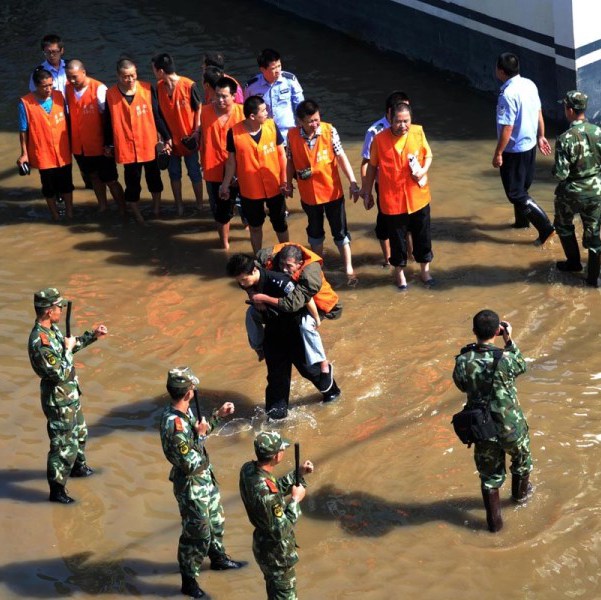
x,y
280,90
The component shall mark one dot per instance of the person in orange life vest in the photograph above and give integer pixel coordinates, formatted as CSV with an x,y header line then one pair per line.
x,y
44,140
86,100
217,60
131,129
381,230
404,192
215,120
314,155
180,104
256,156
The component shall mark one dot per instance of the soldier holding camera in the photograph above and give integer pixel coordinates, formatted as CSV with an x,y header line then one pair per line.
x,y
487,375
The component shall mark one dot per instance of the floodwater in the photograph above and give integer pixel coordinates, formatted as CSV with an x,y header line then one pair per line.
x,y
393,509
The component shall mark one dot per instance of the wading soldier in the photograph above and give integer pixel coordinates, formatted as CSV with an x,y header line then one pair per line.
x,y
578,168
194,484
274,544
51,356
487,375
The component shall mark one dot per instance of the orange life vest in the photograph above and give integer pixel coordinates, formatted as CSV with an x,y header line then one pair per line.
x,y
326,299
214,134
178,112
257,165
324,185
399,193
48,138
87,137
134,132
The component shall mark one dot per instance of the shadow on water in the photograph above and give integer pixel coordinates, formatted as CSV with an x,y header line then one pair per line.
x,y
82,572
13,485
365,515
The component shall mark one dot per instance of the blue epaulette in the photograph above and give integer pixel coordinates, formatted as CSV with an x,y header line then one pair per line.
x,y
379,127
251,80
288,75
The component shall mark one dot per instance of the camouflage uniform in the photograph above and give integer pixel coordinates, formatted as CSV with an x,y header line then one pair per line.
x,y
60,392
194,484
274,544
472,375
578,168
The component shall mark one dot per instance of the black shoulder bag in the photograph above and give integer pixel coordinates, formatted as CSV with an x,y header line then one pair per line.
x,y
476,424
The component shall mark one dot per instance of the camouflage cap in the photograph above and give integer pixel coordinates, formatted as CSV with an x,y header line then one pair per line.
x,y
48,297
576,100
181,377
268,444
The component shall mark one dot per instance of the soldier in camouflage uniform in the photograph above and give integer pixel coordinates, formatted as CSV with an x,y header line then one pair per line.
x,y
472,375
578,168
194,485
274,544
51,356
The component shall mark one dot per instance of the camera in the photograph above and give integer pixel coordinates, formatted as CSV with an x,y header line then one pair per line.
x,y
503,325
304,173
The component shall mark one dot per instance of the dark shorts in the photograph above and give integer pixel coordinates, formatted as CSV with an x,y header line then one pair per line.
x,y
418,224
103,166
132,174
223,210
381,229
56,181
254,212
335,213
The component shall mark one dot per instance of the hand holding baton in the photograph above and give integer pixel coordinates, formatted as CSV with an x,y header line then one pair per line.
x,y
297,464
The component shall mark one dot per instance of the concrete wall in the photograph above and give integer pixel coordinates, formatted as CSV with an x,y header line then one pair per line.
x,y
558,41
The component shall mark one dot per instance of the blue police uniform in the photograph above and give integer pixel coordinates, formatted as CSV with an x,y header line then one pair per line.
x,y
281,97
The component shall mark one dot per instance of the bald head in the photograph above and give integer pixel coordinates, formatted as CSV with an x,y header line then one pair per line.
x,y
76,74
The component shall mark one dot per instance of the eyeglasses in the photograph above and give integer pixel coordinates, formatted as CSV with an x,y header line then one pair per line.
x,y
52,51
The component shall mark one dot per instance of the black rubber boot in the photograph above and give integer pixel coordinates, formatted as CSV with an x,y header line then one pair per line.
x,y
572,252
190,587
520,488
81,471
594,266
59,494
521,220
333,393
537,216
278,412
223,562
492,504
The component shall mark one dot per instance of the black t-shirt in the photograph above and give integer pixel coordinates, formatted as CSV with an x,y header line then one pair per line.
x,y
274,284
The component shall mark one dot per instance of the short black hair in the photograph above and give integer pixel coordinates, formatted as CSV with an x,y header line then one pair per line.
x,y
251,105
395,98
177,393
125,62
306,108
509,63
240,264
398,107
268,55
227,82
50,39
165,62
211,76
214,59
39,74
290,251
486,324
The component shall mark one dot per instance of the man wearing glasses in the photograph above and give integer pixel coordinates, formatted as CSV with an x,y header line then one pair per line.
x,y
53,49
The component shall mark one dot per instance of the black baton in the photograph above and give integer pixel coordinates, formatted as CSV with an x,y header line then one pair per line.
x,y
68,319
297,462
197,404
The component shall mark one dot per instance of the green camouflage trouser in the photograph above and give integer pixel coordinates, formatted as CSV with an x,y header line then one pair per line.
x,y
280,583
68,433
590,212
490,460
202,520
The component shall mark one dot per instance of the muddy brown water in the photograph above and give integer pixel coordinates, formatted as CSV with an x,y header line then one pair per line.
x,y
393,509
